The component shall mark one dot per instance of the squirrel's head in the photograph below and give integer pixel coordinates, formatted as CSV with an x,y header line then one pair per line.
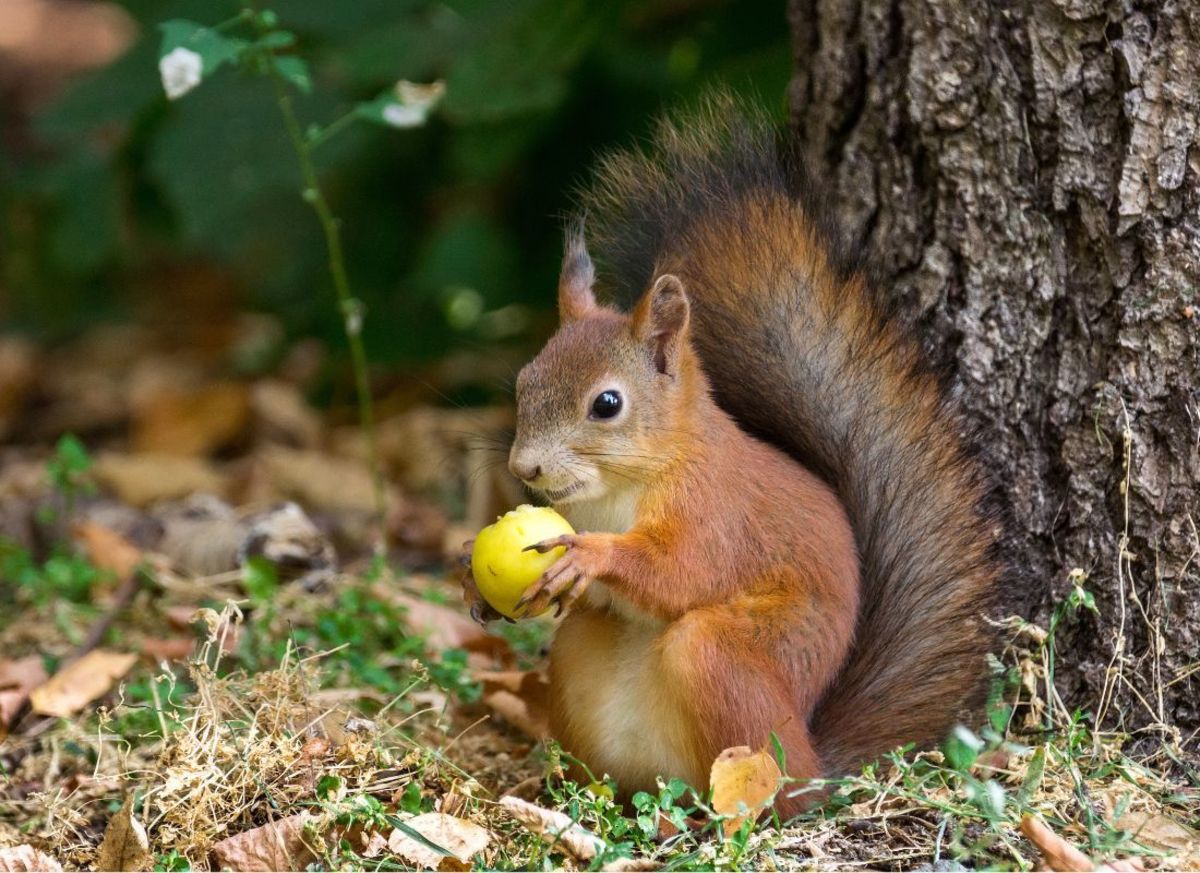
x,y
598,406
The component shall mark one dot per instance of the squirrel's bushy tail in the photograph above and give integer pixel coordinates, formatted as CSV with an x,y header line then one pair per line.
x,y
804,352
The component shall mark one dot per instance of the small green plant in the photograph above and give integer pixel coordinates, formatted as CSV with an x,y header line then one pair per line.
x,y
62,576
172,862
255,42
68,471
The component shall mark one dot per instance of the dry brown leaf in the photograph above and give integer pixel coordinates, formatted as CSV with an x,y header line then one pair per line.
x,y
80,682
142,479
18,372
276,846
159,649
319,480
446,628
461,838
282,415
17,679
555,828
24,859
125,845
741,778
1058,854
520,698
191,423
1159,832
107,549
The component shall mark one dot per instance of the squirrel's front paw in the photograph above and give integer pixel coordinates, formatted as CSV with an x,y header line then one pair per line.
x,y
567,578
481,611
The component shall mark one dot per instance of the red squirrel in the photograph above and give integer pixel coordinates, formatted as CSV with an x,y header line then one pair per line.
x,y
781,529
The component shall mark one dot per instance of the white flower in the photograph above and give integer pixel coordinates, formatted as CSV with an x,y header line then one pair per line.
x,y
180,70
415,102
399,115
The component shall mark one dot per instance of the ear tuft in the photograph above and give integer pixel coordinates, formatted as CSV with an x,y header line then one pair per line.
x,y
660,321
575,297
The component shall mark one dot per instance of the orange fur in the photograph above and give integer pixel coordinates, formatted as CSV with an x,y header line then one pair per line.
x,y
785,531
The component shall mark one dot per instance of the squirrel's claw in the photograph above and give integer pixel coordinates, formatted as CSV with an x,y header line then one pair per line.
x,y
564,581
566,541
464,557
481,611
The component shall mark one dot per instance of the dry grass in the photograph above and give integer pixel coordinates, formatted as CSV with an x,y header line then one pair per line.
x,y
231,741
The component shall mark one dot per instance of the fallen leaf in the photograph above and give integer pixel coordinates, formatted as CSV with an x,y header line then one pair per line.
x,y
107,549
282,415
142,479
461,838
80,682
1159,832
287,537
520,698
192,423
17,679
24,859
555,828
18,372
374,844
159,649
201,534
319,480
314,747
125,845
276,846
743,782
1058,854
446,628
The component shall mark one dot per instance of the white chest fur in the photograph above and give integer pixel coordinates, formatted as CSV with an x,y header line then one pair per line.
x,y
613,513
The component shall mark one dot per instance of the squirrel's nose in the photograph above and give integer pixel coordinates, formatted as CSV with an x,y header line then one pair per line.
x,y
524,470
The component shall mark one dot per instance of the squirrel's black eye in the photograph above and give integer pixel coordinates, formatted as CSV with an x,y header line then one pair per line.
x,y
607,404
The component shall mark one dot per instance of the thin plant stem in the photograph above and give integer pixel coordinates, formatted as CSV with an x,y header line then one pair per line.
x,y
321,136
350,307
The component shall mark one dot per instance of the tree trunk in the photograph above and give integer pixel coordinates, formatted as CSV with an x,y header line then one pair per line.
x,y
1027,178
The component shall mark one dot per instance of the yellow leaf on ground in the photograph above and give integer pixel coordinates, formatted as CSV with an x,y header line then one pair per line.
x,y
743,782
276,846
80,682
107,549
125,845
461,838
24,859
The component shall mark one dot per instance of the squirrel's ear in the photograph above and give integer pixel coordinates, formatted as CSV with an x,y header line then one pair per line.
x,y
660,321
575,297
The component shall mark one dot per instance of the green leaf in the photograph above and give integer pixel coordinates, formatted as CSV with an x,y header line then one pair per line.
x,y
277,39
410,800
259,578
962,748
215,49
295,70
329,787
1033,777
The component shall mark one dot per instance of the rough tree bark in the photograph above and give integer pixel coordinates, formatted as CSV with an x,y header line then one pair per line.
x,y
1027,176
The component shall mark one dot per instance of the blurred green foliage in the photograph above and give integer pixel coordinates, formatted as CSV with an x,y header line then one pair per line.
x,y
452,230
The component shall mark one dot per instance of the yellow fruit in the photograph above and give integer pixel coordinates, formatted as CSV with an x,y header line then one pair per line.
x,y
502,570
